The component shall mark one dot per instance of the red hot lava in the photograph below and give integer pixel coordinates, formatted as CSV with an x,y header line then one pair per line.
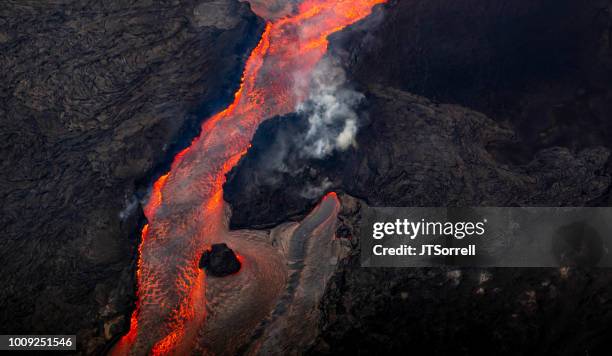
x,y
186,208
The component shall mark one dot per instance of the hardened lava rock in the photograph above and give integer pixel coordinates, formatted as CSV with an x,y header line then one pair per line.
x,y
220,261
578,245
95,98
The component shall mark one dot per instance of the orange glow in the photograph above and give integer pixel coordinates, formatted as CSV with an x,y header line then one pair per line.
x,y
331,195
128,339
155,200
186,208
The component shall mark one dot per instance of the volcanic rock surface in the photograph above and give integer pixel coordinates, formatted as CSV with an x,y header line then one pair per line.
x,y
94,98
417,153
219,261
542,66
412,152
527,87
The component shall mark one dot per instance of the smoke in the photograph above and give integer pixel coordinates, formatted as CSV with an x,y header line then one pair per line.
x,y
312,191
329,116
130,207
330,109
328,122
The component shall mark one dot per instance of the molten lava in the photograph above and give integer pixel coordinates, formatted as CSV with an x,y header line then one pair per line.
x,y
186,208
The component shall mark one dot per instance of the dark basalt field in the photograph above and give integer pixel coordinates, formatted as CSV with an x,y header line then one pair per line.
x,y
465,103
454,92
95,99
468,103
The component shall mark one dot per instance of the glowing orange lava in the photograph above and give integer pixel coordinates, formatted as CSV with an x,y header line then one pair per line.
x,y
186,209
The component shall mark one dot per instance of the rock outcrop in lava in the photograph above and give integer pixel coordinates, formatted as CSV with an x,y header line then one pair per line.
x,y
94,98
220,261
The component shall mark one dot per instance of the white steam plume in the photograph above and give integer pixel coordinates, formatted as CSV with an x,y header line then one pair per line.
x,y
330,108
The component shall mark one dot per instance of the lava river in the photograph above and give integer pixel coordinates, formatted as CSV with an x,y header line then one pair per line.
x,y
176,310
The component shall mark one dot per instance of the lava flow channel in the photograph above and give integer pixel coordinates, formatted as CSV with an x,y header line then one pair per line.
x,y
186,208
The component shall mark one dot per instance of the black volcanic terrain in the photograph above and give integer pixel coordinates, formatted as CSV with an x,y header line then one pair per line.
x,y
465,103
543,67
468,103
452,88
94,98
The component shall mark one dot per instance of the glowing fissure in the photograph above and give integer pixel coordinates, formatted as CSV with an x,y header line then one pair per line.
x,y
186,209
